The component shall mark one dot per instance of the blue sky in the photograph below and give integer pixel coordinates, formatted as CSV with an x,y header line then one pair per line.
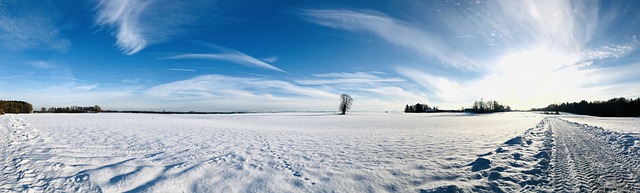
x,y
301,55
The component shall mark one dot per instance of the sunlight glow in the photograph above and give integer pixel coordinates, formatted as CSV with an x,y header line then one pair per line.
x,y
533,76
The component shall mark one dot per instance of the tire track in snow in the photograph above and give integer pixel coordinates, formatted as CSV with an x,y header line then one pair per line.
x,y
583,160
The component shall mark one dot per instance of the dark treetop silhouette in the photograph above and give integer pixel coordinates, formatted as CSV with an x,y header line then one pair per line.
x,y
15,107
616,107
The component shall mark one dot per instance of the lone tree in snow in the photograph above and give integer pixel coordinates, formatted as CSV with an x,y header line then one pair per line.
x,y
345,103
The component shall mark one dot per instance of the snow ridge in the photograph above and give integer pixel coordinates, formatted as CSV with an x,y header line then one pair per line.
x,y
521,164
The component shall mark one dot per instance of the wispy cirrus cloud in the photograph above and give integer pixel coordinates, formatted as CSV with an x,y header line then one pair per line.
x,y
525,53
264,93
181,69
123,16
86,87
137,24
132,80
346,78
394,31
271,59
445,89
230,55
221,86
26,26
41,64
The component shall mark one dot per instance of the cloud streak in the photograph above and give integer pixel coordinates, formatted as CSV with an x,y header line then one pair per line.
x,y
123,16
346,78
86,88
137,24
181,69
41,64
394,31
272,94
271,59
446,90
221,86
229,55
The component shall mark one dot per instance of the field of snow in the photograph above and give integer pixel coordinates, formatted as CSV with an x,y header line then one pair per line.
x,y
313,152
629,125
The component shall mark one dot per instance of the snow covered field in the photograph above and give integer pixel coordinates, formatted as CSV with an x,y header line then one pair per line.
x,y
314,152
629,125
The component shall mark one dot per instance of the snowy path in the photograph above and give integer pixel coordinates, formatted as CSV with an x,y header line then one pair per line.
x,y
559,156
587,159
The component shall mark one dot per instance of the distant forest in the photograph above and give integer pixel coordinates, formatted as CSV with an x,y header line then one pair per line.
x,y
478,107
72,109
15,107
616,107
419,108
488,107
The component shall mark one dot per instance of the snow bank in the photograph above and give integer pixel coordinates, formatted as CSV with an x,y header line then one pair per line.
x,y
520,164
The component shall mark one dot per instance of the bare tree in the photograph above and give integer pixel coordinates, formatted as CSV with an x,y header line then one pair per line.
x,y
345,103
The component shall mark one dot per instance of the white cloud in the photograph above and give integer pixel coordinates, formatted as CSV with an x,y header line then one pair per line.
x,y
132,80
124,17
220,86
394,31
227,92
271,59
41,64
86,87
363,75
346,78
228,55
140,23
535,52
565,24
445,89
181,69
613,75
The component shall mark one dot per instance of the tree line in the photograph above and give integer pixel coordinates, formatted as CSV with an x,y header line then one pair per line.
x,y
71,109
419,108
478,107
15,107
616,107
489,107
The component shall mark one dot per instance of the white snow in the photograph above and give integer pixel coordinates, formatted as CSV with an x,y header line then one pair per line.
x,y
290,152
629,125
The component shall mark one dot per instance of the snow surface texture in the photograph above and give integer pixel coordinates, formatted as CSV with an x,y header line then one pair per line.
x,y
311,152
627,125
